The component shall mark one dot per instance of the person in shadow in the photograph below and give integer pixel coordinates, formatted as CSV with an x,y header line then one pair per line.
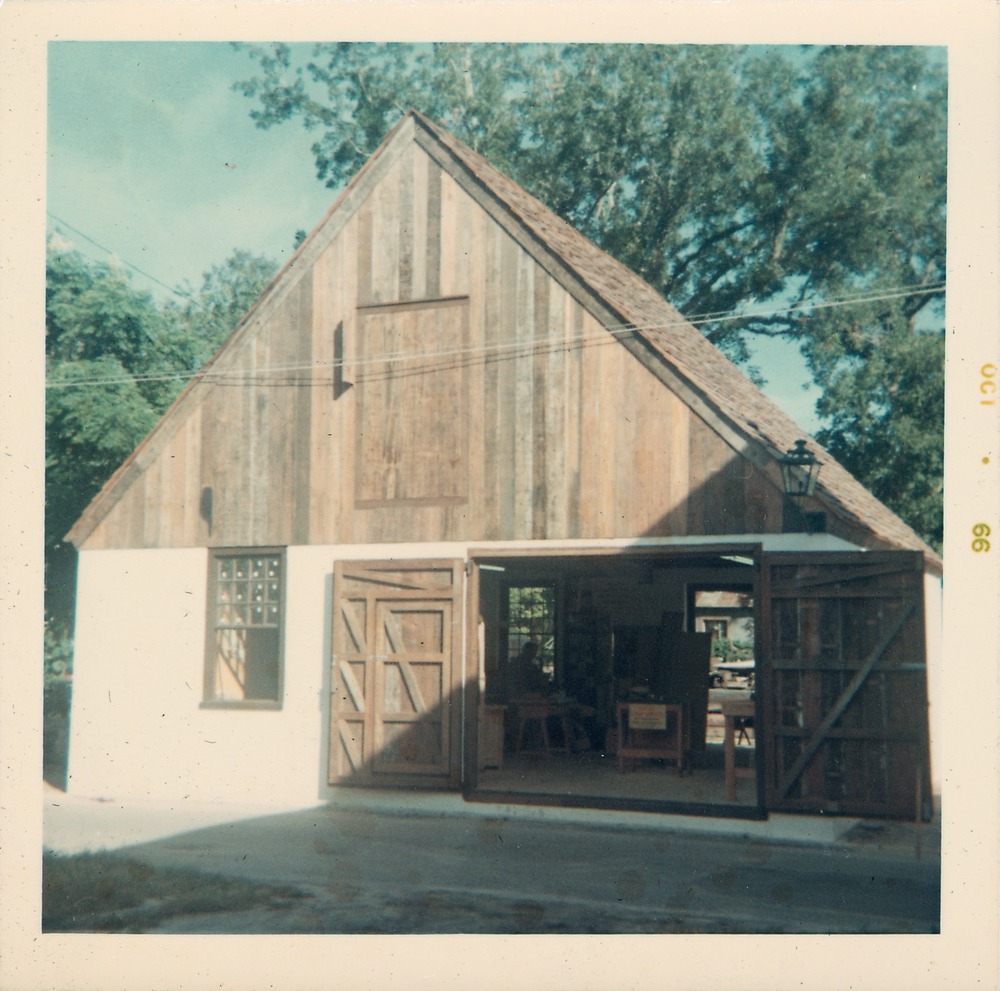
x,y
527,676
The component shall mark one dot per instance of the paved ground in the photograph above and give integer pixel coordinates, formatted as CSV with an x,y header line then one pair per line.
x,y
387,862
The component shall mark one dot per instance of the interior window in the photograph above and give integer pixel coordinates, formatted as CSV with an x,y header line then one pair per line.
x,y
531,638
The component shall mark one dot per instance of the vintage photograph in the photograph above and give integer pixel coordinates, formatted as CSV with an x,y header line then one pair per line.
x,y
493,488
499,494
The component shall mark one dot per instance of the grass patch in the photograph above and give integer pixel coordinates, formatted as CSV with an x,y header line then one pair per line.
x,y
109,892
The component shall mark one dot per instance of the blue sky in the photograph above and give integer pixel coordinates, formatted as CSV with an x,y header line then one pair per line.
x,y
153,156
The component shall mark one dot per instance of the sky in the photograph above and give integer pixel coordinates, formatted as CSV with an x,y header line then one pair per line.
x,y
153,156
153,160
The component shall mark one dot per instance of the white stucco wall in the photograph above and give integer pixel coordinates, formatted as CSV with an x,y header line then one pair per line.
x,y
138,728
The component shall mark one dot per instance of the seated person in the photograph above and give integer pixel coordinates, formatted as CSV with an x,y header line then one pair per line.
x,y
527,676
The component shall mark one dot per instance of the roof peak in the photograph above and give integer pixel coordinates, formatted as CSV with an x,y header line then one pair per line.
x,y
649,326
666,332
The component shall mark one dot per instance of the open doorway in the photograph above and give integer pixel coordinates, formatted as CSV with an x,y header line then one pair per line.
x,y
529,637
724,612
587,663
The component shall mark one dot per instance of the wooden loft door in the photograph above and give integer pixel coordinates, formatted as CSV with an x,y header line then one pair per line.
x,y
396,673
842,686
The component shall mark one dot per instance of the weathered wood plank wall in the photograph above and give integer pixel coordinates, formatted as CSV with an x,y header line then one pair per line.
x,y
561,432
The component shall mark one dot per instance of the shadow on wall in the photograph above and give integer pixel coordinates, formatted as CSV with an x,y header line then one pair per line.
x,y
737,497
397,739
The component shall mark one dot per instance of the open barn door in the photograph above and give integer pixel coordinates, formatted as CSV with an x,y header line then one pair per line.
x,y
395,682
842,684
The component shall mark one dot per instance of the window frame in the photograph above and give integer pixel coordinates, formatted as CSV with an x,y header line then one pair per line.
x,y
505,625
211,658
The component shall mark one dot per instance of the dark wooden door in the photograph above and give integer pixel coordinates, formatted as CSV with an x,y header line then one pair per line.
x,y
395,680
841,684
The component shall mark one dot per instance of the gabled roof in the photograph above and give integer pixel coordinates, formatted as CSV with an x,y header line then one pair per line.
x,y
641,318
714,379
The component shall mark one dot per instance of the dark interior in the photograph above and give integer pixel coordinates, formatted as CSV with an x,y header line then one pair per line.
x,y
586,633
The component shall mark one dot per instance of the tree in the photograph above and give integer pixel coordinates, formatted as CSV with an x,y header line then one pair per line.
x,y
752,187
227,293
115,360
100,334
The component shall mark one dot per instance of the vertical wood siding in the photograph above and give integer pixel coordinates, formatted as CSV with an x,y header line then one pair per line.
x,y
563,433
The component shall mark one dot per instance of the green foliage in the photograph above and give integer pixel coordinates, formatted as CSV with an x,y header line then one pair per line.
x,y
765,181
92,313
115,360
227,293
58,657
100,334
732,650
886,410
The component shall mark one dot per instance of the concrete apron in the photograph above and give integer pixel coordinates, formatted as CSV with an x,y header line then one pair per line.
x,y
74,824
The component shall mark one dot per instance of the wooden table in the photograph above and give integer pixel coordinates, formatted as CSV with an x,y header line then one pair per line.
x,y
651,731
733,711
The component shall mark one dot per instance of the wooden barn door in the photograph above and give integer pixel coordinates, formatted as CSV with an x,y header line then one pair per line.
x,y
396,676
842,684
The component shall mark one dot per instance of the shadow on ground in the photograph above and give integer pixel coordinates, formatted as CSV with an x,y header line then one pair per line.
x,y
400,870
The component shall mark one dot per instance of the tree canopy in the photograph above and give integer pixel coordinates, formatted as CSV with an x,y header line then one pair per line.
x,y
115,360
787,192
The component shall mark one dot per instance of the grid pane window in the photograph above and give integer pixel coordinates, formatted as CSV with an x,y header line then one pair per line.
x,y
245,652
531,638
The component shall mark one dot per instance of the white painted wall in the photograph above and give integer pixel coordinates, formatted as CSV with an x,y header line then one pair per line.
x,y
138,729
140,630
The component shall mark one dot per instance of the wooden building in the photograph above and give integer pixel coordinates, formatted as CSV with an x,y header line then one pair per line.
x,y
452,427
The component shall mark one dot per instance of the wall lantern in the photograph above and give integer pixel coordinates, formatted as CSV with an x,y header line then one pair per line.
x,y
799,471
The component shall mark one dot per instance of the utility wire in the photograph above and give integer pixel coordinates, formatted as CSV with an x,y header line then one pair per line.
x,y
695,320
510,348
855,300
113,254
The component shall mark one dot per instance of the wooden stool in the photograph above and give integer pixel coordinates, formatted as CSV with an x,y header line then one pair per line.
x,y
540,712
744,723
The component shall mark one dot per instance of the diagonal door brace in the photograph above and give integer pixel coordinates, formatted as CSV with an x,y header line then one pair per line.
x,y
844,701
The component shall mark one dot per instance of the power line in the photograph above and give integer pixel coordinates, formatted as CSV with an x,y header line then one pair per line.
x,y
114,254
695,320
853,300
510,348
